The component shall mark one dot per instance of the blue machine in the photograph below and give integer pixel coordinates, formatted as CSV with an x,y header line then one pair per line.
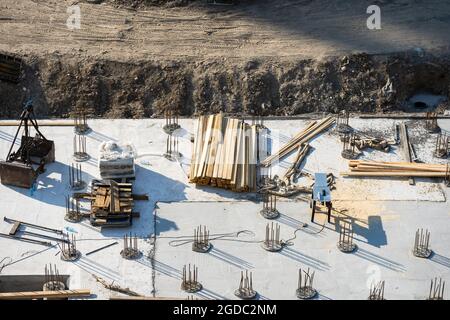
x,y
321,193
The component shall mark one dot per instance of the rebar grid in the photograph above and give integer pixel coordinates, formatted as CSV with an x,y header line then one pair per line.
x,y
245,290
69,250
79,148
272,240
345,243
189,282
305,289
130,247
377,291
436,289
422,244
269,210
201,240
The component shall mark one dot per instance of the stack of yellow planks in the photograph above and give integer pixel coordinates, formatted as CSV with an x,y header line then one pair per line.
x,y
224,154
394,169
313,129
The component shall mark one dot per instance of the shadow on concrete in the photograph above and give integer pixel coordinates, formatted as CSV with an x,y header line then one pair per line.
x,y
209,295
297,224
379,260
442,260
322,297
9,138
100,137
305,259
163,268
374,234
53,185
97,269
261,297
372,231
228,258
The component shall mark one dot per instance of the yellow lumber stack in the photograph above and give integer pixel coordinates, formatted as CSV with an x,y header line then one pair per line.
x,y
394,169
304,136
224,154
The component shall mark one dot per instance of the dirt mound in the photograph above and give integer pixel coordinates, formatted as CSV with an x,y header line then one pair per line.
x,y
360,83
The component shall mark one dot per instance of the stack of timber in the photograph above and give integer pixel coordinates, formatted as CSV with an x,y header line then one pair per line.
x,y
394,169
112,203
312,130
224,153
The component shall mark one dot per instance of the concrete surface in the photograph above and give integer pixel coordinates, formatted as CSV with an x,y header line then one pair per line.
x,y
385,213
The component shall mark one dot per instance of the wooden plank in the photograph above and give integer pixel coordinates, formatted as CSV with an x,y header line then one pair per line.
x,y
45,294
394,174
302,137
205,149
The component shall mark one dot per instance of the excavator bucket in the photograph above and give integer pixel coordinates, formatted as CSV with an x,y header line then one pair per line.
x,y
23,175
42,149
17,174
22,166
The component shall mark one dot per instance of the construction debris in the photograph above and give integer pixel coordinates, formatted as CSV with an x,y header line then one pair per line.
x,y
294,170
394,169
22,167
115,287
79,148
112,203
312,130
130,247
362,142
305,289
116,161
102,248
436,289
422,244
224,153
269,210
272,240
245,290
189,282
201,240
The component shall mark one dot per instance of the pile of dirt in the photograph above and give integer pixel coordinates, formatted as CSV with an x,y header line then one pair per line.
x,y
358,83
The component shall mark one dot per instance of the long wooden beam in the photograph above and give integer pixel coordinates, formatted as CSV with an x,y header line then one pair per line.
x,y
45,294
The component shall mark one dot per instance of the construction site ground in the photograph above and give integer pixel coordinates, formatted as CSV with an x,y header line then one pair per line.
x,y
286,28
386,215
